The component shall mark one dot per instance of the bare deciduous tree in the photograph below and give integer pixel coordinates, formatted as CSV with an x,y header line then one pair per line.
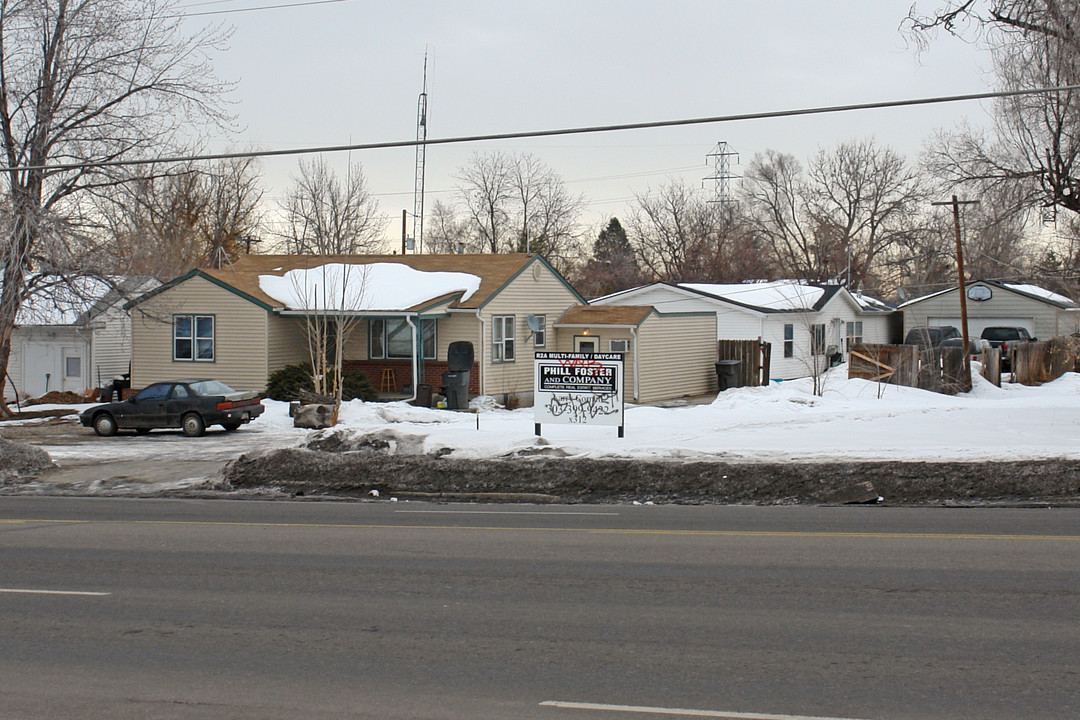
x,y
444,231
163,223
839,218
84,81
327,216
487,193
663,226
1033,149
517,203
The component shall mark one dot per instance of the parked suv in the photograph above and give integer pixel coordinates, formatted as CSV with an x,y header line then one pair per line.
x,y
930,337
1004,338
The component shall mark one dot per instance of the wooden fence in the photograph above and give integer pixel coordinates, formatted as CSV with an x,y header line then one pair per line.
x,y
754,356
938,369
1039,362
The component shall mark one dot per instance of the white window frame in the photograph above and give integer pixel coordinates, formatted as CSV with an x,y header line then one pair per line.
x,y
194,337
540,336
429,351
818,338
853,334
789,340
503,331
625,345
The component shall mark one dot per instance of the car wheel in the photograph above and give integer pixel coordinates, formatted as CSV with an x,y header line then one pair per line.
x,y
230,426
193,425
104,425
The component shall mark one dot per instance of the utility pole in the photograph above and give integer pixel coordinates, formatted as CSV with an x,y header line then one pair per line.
x,y
960,275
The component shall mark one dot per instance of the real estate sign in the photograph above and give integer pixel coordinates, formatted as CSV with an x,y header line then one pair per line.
x,y
578,388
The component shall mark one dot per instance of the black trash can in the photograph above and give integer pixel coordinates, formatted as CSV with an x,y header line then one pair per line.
x,y
727,374
456,389
459,362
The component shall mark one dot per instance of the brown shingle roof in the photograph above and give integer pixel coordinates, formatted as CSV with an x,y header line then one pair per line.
x,y
494,271
605,315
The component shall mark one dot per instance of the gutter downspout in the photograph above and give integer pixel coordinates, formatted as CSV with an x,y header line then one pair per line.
x,y
415,363
483,334
637,374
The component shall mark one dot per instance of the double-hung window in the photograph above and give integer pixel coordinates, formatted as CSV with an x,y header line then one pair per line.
x,y
789,340
391,338
853,336
193,337
817,339
502,338
540,336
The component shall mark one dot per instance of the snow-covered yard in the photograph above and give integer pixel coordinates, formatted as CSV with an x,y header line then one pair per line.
x,y
853,420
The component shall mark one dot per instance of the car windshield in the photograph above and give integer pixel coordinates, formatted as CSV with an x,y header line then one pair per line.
x,y
1000,334
949,332
210,387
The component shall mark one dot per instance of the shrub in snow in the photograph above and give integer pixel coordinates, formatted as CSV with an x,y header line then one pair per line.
x,y
285,384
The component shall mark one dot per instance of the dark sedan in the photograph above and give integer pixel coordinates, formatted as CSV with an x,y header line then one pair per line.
x,y
190,405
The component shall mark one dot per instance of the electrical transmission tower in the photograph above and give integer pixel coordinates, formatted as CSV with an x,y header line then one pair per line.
x,y
421,148
722,177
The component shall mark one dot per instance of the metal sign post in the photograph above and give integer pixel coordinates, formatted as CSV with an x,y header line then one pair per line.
x,y
578,389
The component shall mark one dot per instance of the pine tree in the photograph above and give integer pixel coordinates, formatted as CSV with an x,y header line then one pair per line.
x,y
613,265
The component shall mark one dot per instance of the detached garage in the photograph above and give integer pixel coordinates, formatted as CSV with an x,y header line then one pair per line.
x,y
993,303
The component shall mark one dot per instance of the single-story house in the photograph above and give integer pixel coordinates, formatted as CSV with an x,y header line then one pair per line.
x,y
242,322
803,322
991,303
72,335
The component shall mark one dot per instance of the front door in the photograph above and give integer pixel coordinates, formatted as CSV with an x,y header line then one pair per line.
x,y
73,369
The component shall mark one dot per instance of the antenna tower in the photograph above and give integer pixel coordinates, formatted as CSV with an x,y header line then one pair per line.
x,y
421,152
722,177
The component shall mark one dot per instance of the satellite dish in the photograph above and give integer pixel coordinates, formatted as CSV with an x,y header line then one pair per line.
x,y
533,321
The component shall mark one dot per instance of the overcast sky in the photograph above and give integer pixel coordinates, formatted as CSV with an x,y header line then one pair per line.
x,y
350,72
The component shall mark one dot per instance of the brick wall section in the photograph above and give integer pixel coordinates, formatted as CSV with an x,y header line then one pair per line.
x,y
433,370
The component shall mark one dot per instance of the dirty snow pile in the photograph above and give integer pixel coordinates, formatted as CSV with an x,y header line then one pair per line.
x,y
852,420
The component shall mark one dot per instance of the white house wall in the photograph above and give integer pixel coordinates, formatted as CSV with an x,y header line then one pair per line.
x,y
37,363
111,346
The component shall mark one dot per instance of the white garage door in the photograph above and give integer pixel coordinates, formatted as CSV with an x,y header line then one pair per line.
x,y
977,324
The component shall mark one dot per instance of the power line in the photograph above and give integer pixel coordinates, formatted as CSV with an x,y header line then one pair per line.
x,y
552,133
304,3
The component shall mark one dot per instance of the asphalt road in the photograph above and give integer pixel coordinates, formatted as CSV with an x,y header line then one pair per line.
x,y
219,609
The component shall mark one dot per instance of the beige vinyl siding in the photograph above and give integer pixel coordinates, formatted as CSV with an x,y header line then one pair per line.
x,y
535,291
240,337
677,357
1003,304
286,342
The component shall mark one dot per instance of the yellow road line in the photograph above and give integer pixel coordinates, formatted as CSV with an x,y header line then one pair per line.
x,y
594,531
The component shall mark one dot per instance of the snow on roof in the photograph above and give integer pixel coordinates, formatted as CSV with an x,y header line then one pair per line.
x,y
1039,292
1033,291
775,295
364,286
868,303
62,302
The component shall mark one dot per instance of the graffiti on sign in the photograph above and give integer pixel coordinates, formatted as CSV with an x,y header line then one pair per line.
x,y
578,408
